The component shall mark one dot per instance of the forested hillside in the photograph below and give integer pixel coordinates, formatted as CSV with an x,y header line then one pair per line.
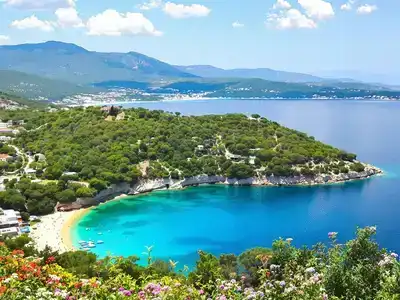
x,y
96,144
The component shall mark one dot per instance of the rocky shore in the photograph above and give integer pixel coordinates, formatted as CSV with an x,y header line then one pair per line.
x,y
150,185
144,186
59,224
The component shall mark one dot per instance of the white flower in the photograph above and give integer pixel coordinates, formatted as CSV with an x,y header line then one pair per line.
x,y
310,270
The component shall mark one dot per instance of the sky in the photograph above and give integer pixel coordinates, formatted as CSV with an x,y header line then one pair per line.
x,y
294,35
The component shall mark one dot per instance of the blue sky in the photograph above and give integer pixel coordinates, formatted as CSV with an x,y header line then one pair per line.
x,y
292,35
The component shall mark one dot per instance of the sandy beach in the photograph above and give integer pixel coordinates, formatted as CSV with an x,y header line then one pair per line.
x,y
55,230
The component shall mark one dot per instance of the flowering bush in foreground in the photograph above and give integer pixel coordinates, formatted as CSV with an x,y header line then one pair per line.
x,y
358,269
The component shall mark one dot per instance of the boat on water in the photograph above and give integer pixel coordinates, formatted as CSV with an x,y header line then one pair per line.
x,y
91,245
100,242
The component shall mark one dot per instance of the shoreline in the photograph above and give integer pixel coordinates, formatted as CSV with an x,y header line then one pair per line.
x,y
66,234
99,103
321,179
149,186
54,230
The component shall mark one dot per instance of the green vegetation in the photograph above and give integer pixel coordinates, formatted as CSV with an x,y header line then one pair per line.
x,y
63,61
19,101
38,198
98,150
357,269
103,152
11,163
260,88
34,87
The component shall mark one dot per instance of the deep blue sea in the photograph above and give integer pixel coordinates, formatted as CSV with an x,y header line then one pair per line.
x,y
224,219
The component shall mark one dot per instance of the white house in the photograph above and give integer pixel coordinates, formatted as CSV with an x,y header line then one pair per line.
x,y
9,222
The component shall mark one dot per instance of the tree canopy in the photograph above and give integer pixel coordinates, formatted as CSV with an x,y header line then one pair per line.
x,y
104,150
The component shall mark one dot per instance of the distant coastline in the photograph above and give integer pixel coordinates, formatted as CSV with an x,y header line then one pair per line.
x,y
121,103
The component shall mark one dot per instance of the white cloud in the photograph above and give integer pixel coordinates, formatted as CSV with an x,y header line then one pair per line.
x,y
151,4
4,39
291,18
180,11
237,24
317,9
39,4
281,4
366,9
68,17
113,23
33,22
348,5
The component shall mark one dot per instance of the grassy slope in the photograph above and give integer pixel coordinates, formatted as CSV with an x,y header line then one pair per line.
x,y
23,101
32,86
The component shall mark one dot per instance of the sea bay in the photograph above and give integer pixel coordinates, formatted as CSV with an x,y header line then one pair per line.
x,y
224,219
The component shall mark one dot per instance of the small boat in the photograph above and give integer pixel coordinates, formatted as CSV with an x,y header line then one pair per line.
x,y
86,249
82,242
91,245
100,242
100,233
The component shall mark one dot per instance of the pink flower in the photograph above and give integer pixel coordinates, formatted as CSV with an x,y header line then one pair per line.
x,y
142,295
332,235
201,292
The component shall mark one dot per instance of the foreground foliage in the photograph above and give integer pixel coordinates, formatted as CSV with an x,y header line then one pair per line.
x,y
358,269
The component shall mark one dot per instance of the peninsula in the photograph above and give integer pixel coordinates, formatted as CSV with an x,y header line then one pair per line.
x,y
83,156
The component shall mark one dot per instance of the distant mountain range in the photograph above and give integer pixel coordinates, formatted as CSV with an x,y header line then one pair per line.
x,y
54,70
72,63
69,62
391,79
262,73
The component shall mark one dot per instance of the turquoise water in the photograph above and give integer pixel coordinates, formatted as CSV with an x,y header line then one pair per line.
x,y
224,219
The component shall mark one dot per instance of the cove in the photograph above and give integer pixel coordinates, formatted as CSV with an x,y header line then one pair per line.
x,y
223,219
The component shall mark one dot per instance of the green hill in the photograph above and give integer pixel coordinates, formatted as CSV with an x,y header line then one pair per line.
x,y
17,101
259,88
69,62
86,142
262,73
34,87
